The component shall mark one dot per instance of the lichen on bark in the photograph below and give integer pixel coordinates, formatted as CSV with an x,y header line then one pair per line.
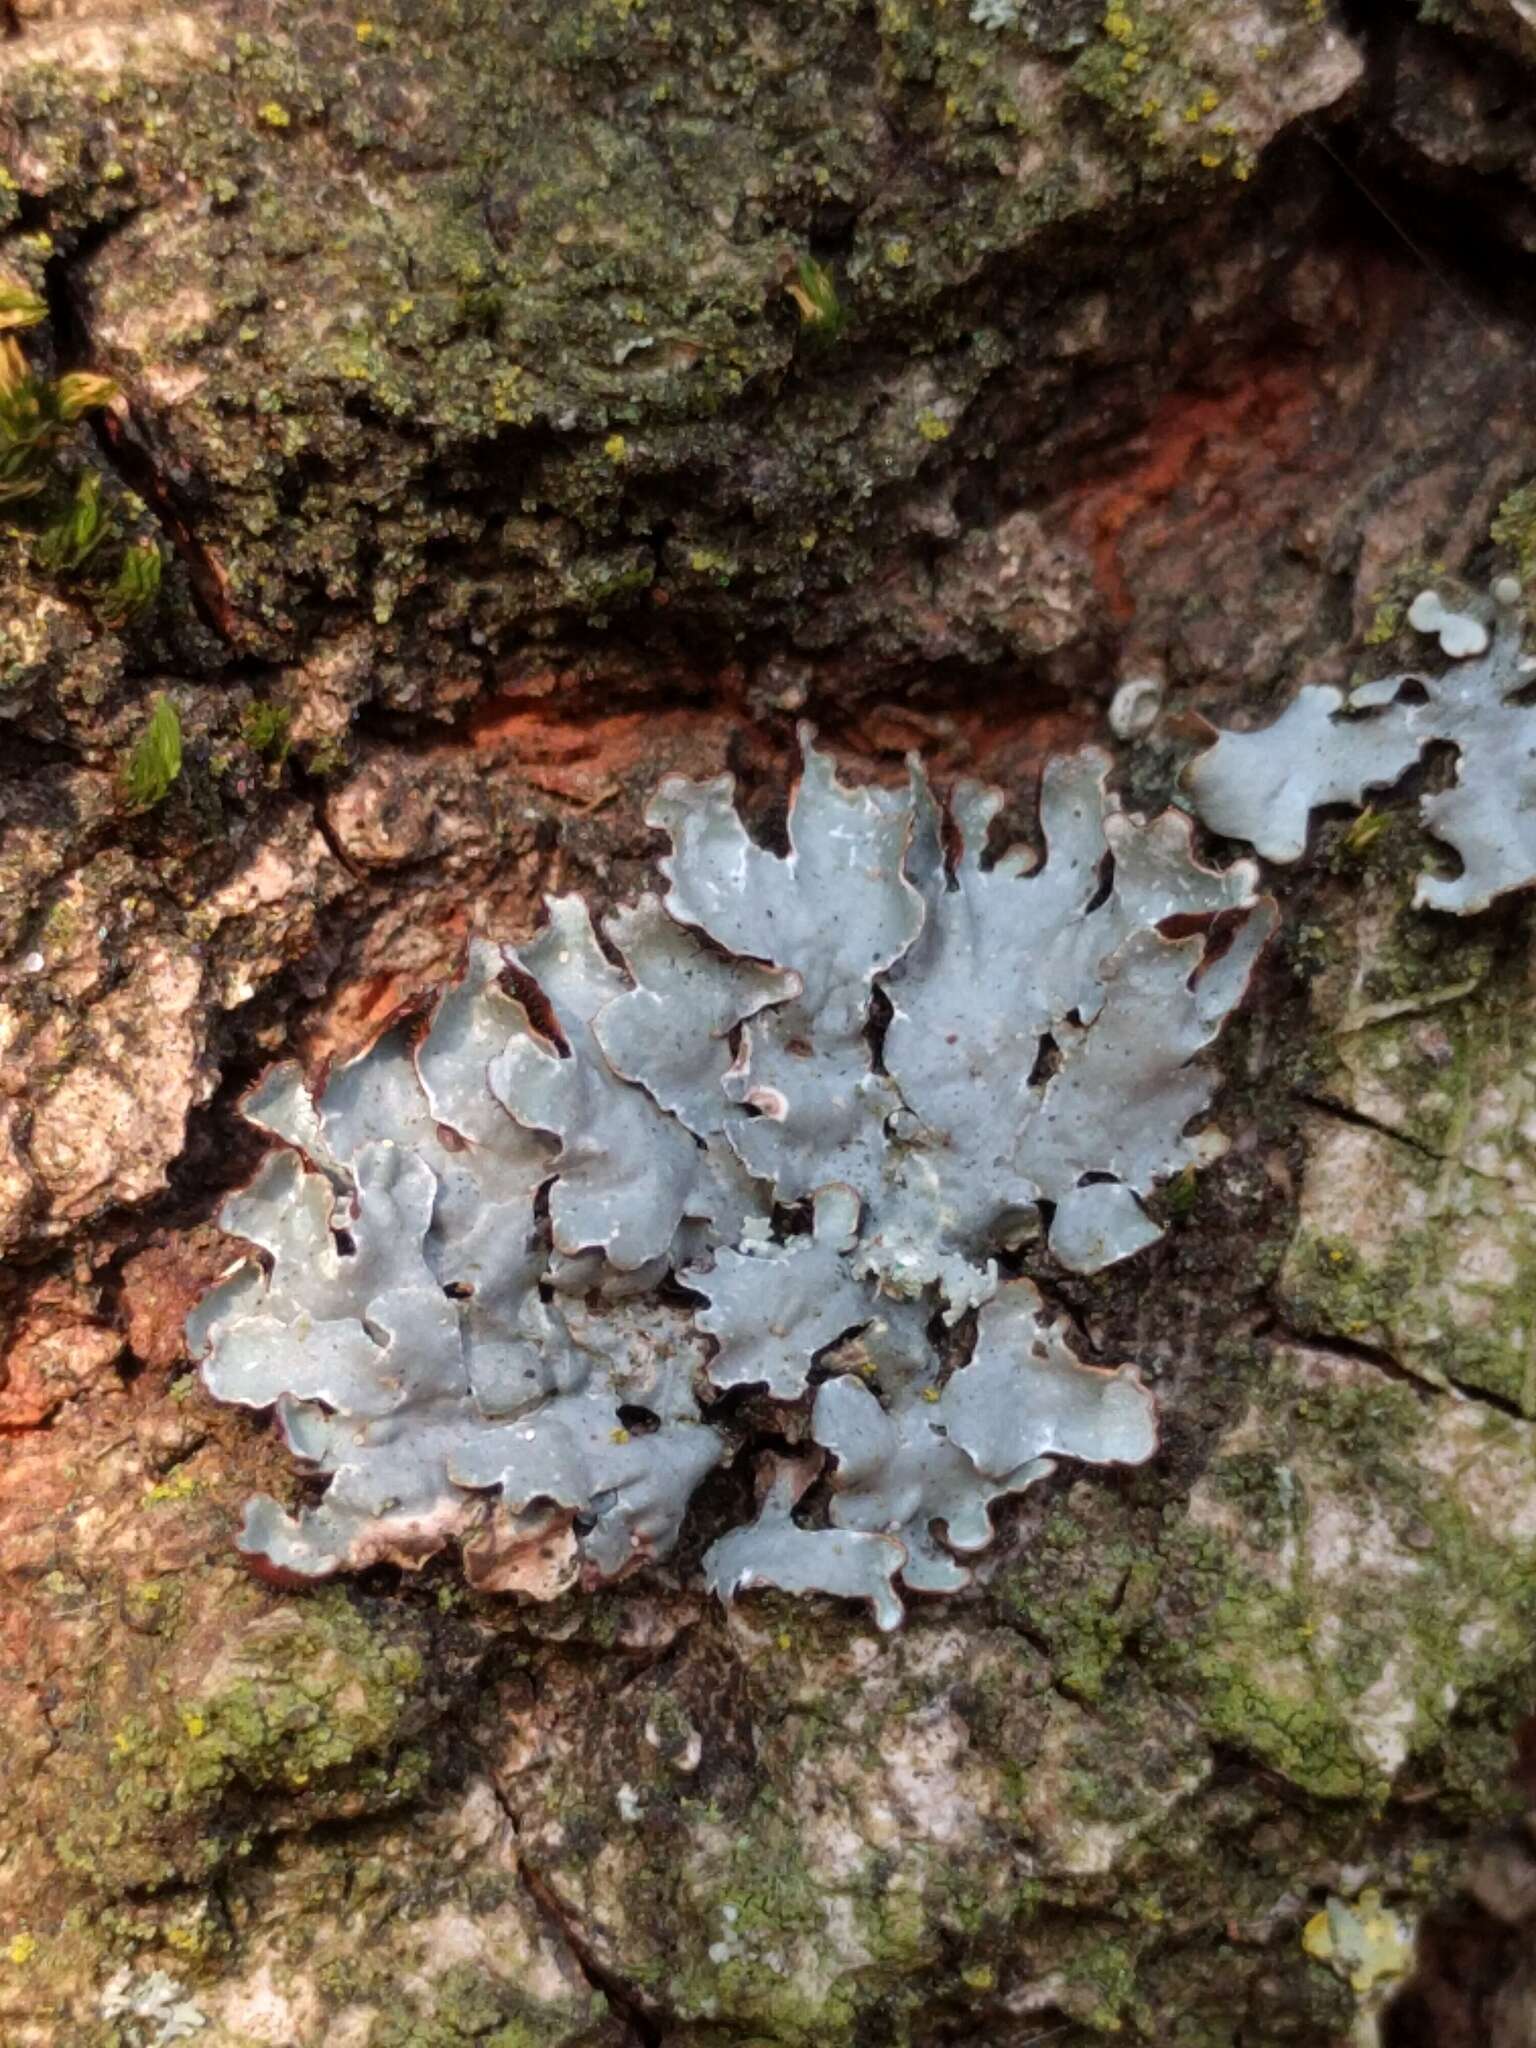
x,y
498,471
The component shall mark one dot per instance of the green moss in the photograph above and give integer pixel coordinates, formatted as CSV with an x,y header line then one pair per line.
x,y
312,1704
134,589
155,761
814,292
20,306
1362,835
37,414
68,542
1515,528
265,729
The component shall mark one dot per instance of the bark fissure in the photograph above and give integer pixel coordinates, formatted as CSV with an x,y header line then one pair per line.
x,y
1344,1114
639,2014
1392,1367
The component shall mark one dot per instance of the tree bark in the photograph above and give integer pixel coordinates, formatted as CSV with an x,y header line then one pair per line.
x,y
526,398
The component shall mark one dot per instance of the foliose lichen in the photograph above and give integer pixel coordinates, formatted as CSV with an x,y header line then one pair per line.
x,y
150,2011
513,1280
1329,748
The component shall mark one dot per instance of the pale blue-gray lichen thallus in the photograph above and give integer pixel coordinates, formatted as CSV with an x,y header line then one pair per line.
x,y
513,1279
1329,748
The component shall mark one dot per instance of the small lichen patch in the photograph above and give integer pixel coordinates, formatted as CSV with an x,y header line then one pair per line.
x,y
151,2010
1369,1945
1326,748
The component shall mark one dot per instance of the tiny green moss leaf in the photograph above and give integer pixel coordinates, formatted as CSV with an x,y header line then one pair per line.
x,y
265,729
136,585
1364,832
155,762
20,307
814,291
35,415
23,426
1182,1191
70,541
82,392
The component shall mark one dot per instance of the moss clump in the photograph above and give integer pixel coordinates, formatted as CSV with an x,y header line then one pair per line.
x,y
134,589
1336,1587
814,291
37,414
1515,528
20,307
312,1706
67,544
265,729
155,762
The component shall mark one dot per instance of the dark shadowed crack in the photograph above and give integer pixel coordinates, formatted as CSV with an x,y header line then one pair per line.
x,y
130,457
638,2014
316,803
1327,1106
1378,1356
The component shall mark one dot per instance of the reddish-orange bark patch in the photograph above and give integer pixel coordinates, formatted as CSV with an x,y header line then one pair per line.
x,y
358,1013
583,756
160,1287
999,739
1197,447
55,1353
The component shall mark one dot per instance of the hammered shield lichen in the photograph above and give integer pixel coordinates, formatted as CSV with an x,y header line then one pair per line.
x,y
1329,748
513,1280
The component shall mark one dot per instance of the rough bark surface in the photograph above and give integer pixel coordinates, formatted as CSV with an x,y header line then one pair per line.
x,y
498,468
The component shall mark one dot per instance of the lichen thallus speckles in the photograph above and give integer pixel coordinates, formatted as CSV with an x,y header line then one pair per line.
x,y
508,1275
